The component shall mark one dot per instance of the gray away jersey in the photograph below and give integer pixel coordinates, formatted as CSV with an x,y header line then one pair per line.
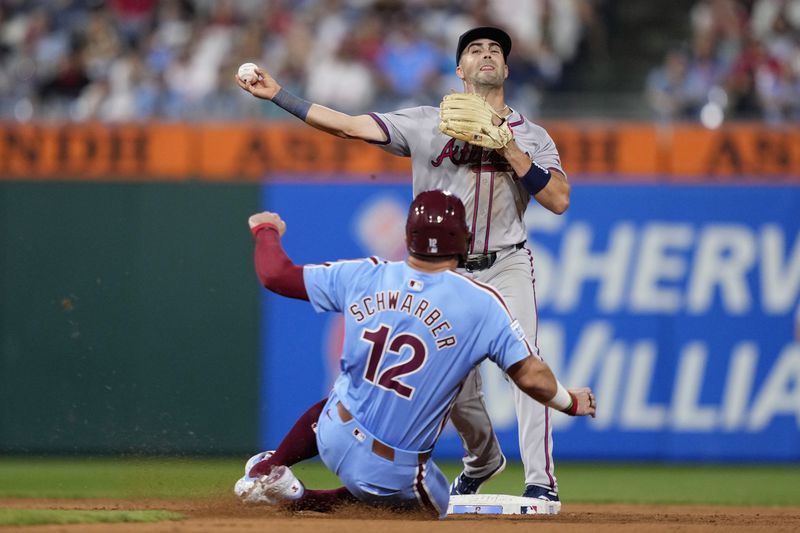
x,y
494,198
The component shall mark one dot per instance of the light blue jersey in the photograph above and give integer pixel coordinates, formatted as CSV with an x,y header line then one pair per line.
x,y
410,340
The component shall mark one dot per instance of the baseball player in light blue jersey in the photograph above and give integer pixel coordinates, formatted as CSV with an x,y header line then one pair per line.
x,y
413,332
496,186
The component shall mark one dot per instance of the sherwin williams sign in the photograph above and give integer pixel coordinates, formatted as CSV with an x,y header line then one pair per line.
x,y
678,304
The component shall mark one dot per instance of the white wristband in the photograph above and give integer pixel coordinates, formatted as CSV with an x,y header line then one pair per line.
x,y
562,400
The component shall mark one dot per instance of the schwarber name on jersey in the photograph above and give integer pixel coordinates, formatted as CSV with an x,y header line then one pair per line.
x,y
410,340
493,196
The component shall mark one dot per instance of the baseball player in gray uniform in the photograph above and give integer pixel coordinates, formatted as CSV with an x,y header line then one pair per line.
x,y
495,186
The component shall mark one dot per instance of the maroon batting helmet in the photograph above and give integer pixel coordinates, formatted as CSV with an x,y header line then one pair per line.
x,y
437,226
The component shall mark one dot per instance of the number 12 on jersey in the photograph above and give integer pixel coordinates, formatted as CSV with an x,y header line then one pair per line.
x,y
383,341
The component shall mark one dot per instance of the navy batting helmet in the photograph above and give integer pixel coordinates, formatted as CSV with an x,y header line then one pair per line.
x,y
437,226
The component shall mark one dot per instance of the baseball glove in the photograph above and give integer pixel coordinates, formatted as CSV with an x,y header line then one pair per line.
x,y
468,117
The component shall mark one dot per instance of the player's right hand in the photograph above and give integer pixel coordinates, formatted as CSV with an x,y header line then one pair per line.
x,y
587,404
264,87
266,217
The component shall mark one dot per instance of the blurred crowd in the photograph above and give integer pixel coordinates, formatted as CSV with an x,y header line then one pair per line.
x,y
123,60
127,60
742,60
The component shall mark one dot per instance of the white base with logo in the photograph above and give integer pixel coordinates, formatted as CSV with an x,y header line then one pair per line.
x,y
500,504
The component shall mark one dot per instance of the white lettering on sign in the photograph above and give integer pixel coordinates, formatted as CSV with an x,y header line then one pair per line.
x,y
725,255
780,394
682,289
625,378
780,279
671,267
739,385
637,414
660,268
579,265
687,413
609,386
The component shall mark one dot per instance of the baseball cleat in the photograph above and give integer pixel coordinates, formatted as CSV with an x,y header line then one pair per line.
x,y
465,484
245,485
279,486
257,458
540,493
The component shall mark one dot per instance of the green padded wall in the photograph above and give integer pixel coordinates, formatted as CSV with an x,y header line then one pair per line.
x,y
128,318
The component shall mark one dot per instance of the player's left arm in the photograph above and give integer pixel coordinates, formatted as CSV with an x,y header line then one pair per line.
x,y
274,268
548,185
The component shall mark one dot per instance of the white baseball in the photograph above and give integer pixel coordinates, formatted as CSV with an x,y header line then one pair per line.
x,y
247,72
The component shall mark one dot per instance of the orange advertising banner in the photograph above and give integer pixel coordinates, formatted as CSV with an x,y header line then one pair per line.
x,y
232,152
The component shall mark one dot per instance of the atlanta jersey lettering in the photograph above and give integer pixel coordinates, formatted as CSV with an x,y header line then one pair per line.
x,y
494,198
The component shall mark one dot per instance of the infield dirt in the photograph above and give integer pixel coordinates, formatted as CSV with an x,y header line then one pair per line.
x,y
230,516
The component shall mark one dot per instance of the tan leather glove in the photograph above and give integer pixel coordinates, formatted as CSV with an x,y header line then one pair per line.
x,y
468,117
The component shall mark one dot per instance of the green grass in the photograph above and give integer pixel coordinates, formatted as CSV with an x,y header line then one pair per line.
x,y
192,478
117,478
30,517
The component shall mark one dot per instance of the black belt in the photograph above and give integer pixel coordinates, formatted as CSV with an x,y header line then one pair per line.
x,y
484,261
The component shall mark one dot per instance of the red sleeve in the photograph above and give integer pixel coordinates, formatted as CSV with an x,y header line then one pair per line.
x,y
274,268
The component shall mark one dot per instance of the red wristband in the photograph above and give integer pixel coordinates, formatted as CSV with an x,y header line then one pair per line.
x,y
573,409
265,225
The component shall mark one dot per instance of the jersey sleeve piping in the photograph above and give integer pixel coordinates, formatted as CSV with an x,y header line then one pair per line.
x,y
517,123
375,261
382,126
489,289
497,298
